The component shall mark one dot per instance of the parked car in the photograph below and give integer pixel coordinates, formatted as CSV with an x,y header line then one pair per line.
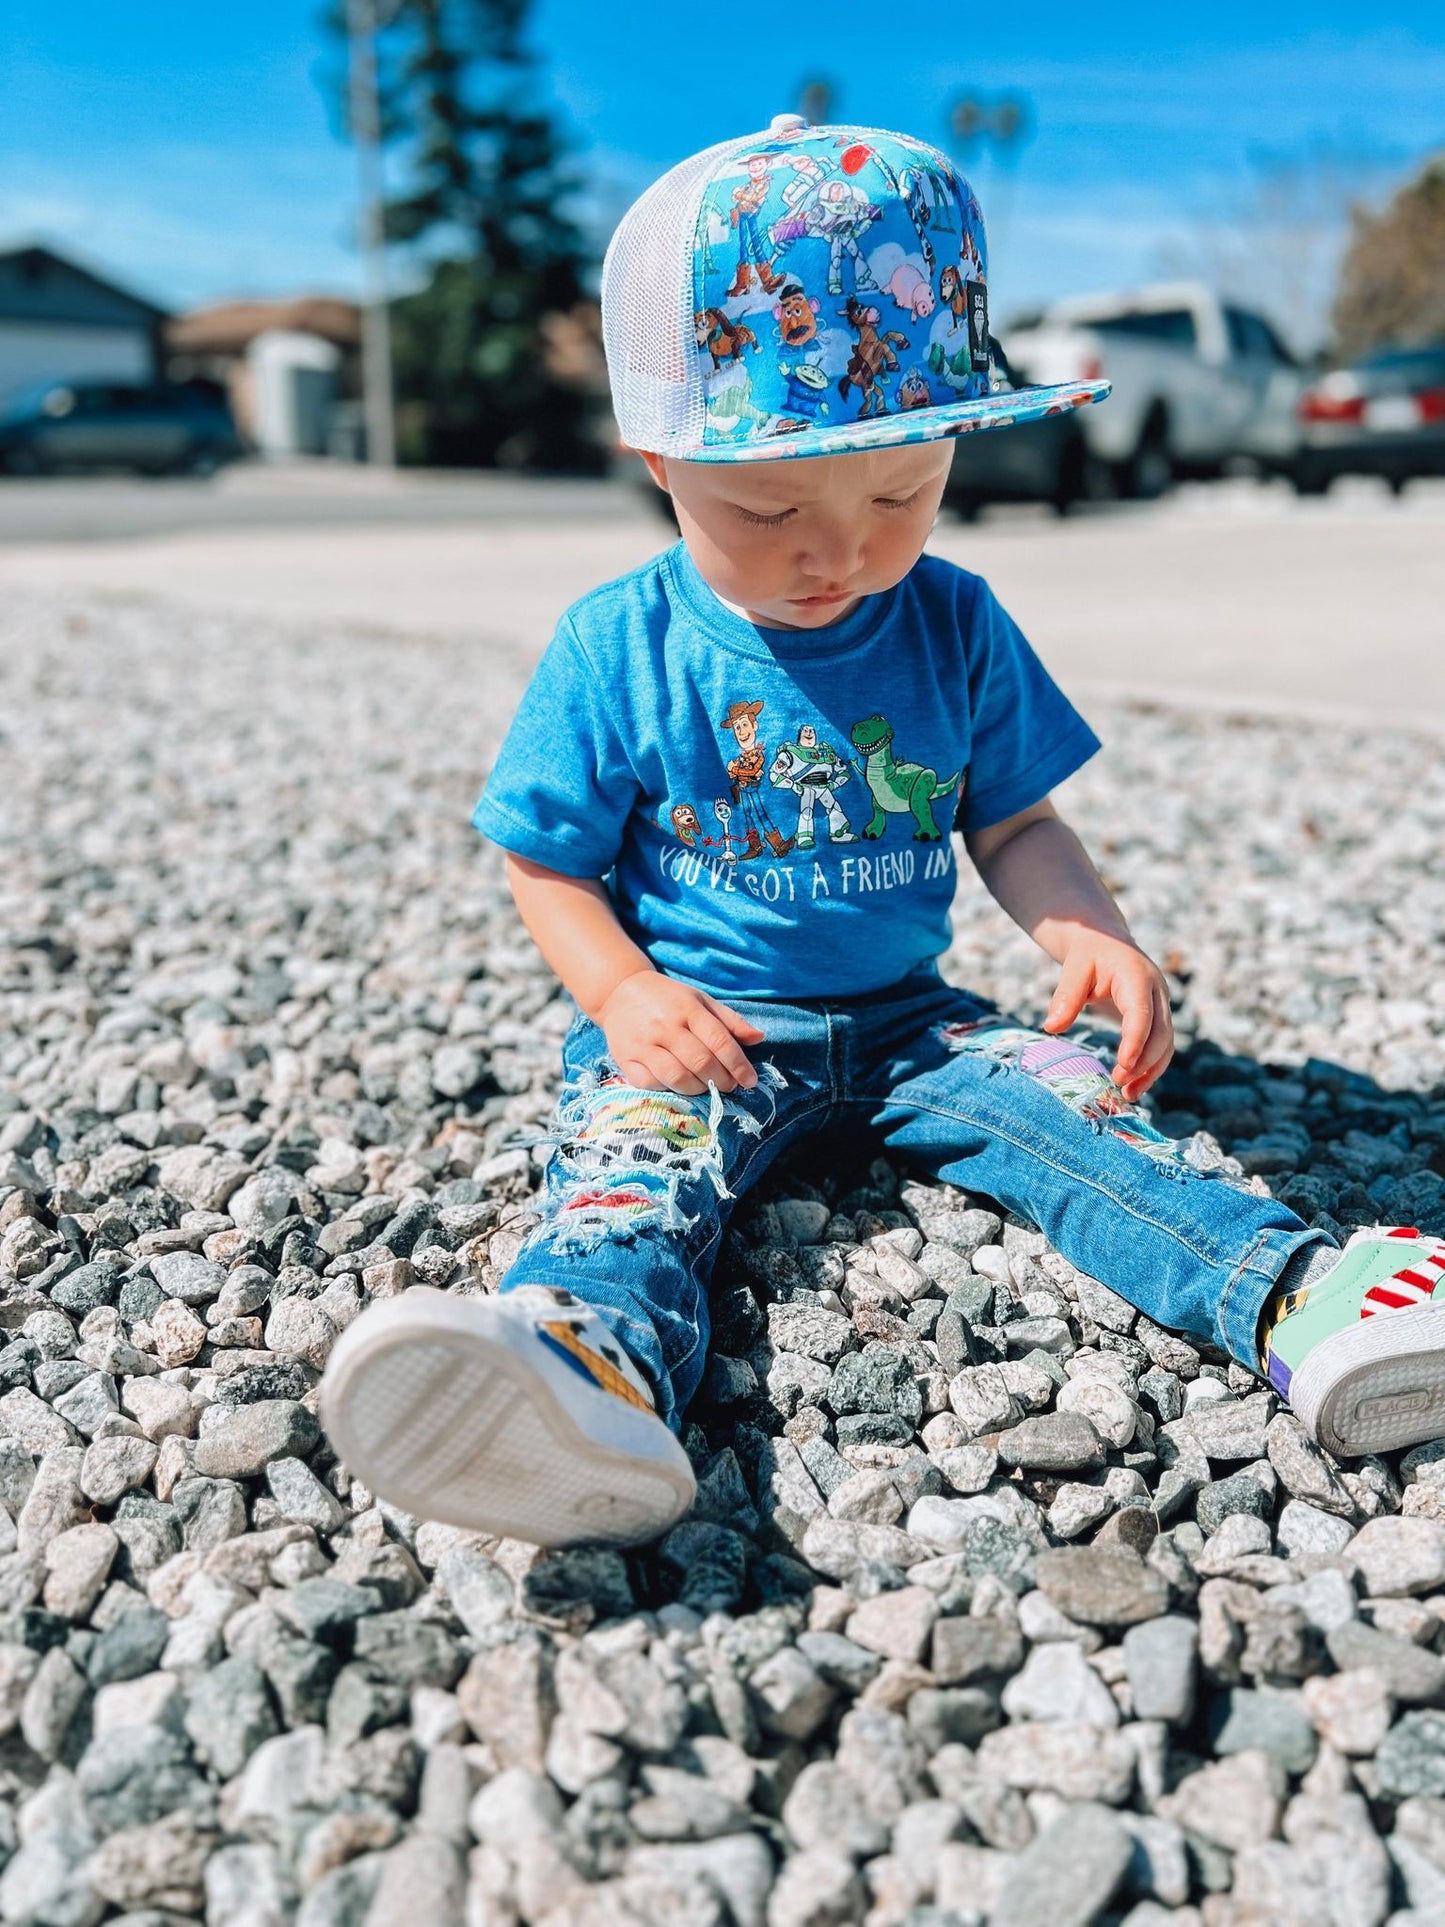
x,y
181,427
1384,415
1042,461
1198,382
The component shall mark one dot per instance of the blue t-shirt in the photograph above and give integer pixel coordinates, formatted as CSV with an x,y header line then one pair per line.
x,y
771,808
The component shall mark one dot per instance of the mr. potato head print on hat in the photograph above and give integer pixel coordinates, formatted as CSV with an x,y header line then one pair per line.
x,y
807,291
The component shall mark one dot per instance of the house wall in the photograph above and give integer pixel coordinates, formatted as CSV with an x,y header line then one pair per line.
x,y
59,351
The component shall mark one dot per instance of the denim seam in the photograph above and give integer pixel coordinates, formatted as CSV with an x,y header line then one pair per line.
x,y
1134,1210
835,1082
739,1177
735,1181
1247,1268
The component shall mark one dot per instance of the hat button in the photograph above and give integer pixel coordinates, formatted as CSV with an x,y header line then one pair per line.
x,y
786,123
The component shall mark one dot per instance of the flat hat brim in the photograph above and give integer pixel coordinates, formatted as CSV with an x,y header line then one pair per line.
x,y
1008,409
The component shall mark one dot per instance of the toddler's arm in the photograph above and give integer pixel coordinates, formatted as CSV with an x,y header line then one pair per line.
x,y
662,1034
1036,867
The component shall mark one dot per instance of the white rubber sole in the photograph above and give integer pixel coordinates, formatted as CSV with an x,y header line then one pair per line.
x,y
1377,1385
431,1401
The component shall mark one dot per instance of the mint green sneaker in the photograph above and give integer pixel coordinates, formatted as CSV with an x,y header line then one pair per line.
x,y
1362,1358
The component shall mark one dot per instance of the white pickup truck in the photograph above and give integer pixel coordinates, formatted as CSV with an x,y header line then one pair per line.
x,y
1197,382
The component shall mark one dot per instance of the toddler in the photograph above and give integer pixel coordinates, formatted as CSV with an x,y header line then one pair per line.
x,y
727,801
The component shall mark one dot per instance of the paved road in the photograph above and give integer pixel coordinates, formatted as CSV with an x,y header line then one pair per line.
x,y
306,495
1236,596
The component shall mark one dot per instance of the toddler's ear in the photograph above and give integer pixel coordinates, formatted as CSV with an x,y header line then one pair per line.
x,y
656,467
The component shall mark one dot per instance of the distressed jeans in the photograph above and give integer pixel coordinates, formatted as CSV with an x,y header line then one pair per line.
x,y
639,1184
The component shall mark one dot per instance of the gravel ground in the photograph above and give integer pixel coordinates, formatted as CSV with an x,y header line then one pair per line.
x,y
998,1603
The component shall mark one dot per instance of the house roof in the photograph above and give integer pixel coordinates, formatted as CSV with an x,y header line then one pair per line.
x,y
229,327
39,285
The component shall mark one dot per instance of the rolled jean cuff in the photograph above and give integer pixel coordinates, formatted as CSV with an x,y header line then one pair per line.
x,y
1252,1283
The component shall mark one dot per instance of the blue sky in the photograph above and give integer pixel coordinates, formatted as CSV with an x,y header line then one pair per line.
x,y
187,148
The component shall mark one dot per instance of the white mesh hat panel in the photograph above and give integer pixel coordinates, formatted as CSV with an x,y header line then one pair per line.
x,y
647,308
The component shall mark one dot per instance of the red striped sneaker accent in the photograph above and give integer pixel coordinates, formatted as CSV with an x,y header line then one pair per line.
x,y
1403,1231
1393,1294
1382,1298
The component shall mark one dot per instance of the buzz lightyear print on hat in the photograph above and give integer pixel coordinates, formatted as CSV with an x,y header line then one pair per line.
x,y
806,291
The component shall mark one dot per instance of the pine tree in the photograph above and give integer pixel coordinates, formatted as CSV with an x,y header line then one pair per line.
x,y
1392,279
485,205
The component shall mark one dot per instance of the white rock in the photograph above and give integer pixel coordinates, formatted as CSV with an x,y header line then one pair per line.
x,y
77,1563
1113,1416
1058,1683
299,1328
178,1333
1394,1556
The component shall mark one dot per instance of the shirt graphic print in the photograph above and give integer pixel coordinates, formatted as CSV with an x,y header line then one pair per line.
x,y
771,808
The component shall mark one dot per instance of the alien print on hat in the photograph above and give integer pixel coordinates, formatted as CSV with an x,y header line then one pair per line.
x,y
772,809
840,276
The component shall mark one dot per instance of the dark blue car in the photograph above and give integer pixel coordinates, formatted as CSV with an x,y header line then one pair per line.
x,y
159,429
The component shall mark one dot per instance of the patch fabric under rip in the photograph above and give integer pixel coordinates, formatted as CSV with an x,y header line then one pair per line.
x,y
621,1156
1073,1070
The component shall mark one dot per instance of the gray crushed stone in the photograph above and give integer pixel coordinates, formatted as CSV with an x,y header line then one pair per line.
x,y
998,1604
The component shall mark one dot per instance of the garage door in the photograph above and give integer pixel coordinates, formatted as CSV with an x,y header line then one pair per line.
x,y
41,351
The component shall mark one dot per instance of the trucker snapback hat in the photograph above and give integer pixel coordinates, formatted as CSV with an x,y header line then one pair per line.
x,y
806,291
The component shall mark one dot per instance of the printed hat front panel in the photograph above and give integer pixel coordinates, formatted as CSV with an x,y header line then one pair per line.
x,y
840,277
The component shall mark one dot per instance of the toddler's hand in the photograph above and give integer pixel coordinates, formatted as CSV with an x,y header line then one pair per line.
x,y
663,1035
1117,975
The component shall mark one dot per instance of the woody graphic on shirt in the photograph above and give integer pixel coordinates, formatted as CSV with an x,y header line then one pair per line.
x,y
745,774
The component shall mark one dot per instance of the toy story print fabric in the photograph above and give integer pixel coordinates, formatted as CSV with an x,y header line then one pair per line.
x,y
771,809
841,284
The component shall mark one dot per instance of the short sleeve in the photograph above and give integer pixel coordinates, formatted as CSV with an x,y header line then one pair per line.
x,y
1027,735
562,786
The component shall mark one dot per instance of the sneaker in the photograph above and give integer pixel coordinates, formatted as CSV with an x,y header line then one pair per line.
x,y
1362,1359
518,1415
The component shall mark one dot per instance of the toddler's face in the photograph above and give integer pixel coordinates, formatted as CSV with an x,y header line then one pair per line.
x,y
796,543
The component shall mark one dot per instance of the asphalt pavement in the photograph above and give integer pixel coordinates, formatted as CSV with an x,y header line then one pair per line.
x,y
1233,595
254,495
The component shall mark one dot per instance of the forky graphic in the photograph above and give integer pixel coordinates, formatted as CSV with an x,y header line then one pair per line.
x,y
723,811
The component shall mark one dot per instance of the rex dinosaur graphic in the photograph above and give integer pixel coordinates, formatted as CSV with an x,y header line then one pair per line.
x,y
898,787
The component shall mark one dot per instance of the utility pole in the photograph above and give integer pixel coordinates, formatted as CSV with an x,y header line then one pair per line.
x,y
375,317
1003,123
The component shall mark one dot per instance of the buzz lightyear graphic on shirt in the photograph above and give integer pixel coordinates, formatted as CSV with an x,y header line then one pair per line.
x,y
813,771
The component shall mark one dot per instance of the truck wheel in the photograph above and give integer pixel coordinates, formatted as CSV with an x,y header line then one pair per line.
x,y
1082,477
1149,470
1309,480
